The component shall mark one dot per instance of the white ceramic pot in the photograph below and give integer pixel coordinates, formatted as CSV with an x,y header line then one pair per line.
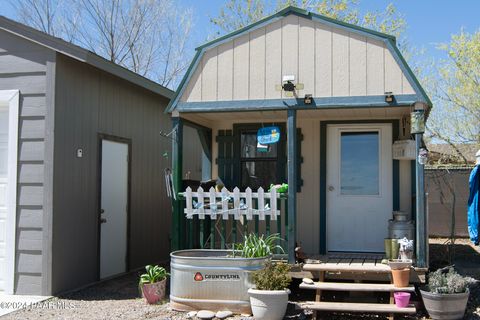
x,y
268,304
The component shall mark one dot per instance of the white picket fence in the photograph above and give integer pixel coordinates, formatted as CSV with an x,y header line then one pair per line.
x,y
237,204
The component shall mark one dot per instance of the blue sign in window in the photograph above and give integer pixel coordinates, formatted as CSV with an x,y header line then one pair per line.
x,y
268,135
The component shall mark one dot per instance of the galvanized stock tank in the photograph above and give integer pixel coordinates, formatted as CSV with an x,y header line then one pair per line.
x,y
212,280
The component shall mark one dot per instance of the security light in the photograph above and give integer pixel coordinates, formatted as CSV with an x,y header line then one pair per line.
x,y
388,97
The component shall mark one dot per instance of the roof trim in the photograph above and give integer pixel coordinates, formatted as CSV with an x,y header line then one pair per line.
x,y
318,103
82,55
387,39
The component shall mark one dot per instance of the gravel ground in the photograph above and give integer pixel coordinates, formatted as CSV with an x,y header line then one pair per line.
x,y
119,298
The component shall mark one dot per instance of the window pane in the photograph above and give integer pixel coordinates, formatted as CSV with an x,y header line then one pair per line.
x,y
256,174
249,147
359,163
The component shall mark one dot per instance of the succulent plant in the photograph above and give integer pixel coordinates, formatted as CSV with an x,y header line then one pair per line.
x,y
447,281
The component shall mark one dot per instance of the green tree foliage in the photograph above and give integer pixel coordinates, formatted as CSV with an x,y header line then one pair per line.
x,y
240,13
456,92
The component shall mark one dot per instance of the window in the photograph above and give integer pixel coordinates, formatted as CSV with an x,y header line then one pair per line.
x,y
359,167
260,167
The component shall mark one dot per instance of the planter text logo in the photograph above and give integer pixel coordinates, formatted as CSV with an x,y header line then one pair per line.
x,y
216,277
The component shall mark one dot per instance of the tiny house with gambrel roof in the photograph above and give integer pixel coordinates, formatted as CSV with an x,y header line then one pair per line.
x,y
340,97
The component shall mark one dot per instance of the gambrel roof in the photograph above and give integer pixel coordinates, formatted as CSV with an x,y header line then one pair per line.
x,y
340,64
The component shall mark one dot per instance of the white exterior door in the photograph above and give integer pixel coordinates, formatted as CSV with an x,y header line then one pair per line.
x,y
114,209
359,186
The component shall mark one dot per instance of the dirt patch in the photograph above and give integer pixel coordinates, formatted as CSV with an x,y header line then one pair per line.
x,y
120,299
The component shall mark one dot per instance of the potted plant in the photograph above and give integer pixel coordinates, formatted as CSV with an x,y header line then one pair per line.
x,y
269,299
446,294
153,283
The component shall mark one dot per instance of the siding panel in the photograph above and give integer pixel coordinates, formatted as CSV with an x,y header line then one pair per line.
x,y
393,74
225,71
257,64
32,151
290,46
32,129
340,64
241,68
306,59
209,76
30,173
273,65
323,61
375,67
358,65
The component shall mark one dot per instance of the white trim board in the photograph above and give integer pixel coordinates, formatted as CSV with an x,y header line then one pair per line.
x,y
10,99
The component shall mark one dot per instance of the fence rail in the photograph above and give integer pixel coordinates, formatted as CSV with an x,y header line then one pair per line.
x,y
215,219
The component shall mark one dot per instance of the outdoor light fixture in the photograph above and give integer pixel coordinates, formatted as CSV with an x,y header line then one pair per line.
x,y
307,99
388,97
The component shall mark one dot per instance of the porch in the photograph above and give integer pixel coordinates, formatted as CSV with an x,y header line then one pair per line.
x,y
304,224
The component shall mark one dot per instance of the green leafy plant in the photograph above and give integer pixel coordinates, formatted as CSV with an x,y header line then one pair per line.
x,y
447,281
273,277
255,246
153,274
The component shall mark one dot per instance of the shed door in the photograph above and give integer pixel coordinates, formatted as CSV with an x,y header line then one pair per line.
x,y
114,209
3,193
359,186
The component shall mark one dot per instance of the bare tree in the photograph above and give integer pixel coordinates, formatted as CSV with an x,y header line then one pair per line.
x,y
148,37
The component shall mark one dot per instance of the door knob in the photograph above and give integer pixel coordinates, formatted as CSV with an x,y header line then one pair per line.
x,y
331,188
103,220
102,211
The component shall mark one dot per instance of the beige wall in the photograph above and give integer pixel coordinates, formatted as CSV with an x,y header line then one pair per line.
x,y
308,202
328,61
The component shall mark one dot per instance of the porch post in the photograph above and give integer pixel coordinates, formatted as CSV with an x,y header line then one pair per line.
x,y
292,182
177,161
420,212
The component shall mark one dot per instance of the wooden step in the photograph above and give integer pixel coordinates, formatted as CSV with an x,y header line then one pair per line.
x,y
363,287
357,307
334,267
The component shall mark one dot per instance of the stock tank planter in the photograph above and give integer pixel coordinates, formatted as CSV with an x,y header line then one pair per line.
x,y
443,306
211,279
269,304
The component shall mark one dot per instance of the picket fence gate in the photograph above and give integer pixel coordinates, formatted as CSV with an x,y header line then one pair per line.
x,y
236,204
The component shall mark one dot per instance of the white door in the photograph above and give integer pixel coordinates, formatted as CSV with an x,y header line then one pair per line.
x,y
114,208
3,193
359,186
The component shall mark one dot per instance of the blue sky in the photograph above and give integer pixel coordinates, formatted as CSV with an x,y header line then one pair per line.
x,y
430,22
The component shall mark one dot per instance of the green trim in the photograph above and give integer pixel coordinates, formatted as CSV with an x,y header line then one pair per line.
x,y
323,172
377,101
178,225
181,87
292,182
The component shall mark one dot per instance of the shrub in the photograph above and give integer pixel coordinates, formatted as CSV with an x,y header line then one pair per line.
x,y
153,274
255,246
273,277
447,281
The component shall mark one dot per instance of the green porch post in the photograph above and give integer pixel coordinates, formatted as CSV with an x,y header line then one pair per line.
x,y
177,161
292,182
420,212
418,127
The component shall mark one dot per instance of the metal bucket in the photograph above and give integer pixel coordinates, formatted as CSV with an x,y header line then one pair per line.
x,y
401,229
212,280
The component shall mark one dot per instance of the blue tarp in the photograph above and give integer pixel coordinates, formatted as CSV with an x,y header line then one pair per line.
x,y
473,204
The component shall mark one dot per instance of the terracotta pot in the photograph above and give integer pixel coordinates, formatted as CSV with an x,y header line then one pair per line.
x,y
401,277
154,292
